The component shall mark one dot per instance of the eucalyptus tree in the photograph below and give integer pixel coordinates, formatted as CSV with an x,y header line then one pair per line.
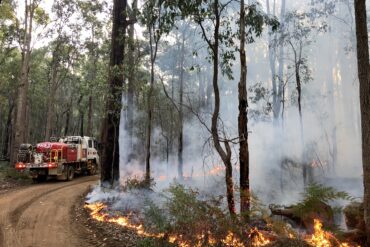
x,y
298,36
131,67
215,23
94,28
158,20
9,64
276,59
111,121
364,79
34,15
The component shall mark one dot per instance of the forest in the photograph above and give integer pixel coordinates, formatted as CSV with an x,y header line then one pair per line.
x,y
219,122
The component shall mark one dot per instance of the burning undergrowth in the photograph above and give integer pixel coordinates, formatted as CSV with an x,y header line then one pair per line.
x,y
184,216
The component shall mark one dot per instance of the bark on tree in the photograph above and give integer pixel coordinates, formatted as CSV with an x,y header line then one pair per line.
x,y
20,127
243,122
111,121
364,79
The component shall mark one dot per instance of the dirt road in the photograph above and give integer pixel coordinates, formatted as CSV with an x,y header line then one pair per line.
x,y
39,215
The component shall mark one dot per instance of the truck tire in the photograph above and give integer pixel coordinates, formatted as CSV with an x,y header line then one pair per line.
x,y
70,173
93,169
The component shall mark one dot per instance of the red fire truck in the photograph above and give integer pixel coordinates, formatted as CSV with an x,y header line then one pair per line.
x,y
61,159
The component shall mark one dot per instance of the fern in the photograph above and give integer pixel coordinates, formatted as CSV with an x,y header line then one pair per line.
x,y
317,194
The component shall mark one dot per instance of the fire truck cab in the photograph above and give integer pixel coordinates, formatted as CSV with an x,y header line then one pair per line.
x,y
87,147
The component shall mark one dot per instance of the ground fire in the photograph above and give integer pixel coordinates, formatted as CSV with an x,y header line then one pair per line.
x,y
319,238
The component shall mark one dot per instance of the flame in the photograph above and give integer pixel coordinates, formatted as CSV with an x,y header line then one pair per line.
x,y
97,212
231,240
322,238
258,239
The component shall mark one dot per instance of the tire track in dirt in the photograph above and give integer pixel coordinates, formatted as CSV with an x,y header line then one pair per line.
x,y
17,212
25,223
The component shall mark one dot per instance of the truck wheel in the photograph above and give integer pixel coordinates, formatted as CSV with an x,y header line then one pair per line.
x,y
92,170
70,173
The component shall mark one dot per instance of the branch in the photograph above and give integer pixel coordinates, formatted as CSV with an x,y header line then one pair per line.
x,y
205,35
168,96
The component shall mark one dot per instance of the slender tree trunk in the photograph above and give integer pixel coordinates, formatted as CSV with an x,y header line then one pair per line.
x,y
131,80
272,61
202,96
281,99
68,116
8,131
305,168
243,122
209,89
89,130
181,117
51,97
149,107
364,78
224,154
153,43
111,121
82,114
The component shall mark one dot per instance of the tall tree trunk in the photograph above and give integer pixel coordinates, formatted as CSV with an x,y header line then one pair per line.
x,y
243,122
149,107
81,123
89,130
21,127
153,40
280,106
209,89
363,75
224,154
51,97
181,117
131,80
8,130
272,62
111,121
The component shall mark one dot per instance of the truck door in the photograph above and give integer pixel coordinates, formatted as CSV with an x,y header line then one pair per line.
x,y
83,149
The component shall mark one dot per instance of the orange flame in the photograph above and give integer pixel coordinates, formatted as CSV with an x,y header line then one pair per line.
x,y
322,238
97,213
258,239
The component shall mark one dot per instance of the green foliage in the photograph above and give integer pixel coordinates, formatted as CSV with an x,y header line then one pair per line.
x,y
316,194
7,172
187,214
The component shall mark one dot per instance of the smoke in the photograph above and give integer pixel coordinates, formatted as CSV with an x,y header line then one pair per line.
x,y
331,142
